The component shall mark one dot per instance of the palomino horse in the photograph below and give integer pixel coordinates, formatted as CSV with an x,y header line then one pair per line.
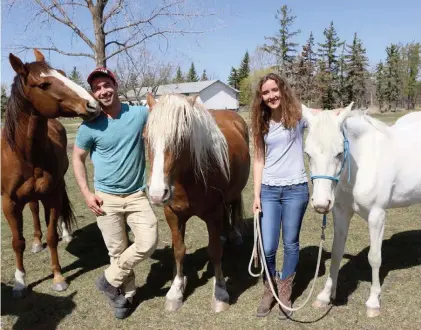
x,y
200,164
384,164
34,157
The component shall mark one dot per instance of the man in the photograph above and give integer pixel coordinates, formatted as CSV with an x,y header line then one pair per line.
x,y
115,143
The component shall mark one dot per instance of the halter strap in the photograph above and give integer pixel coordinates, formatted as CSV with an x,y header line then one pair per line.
x,y
347,160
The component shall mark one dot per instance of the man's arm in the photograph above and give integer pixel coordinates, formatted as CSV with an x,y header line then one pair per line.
x,y
79,167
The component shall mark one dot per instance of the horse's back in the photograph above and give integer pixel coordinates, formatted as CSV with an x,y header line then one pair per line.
x,y
231,121
409,119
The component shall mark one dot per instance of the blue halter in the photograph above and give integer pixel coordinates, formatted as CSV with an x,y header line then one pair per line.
x,y
347,160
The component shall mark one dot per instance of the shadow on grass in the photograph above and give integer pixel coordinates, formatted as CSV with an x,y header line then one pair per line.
x,y
234,265
401,251
89,248
37,310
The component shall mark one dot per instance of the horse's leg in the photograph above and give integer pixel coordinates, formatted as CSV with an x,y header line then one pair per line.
x,y
174,297
66,235
342,214
52,206
376,219
214,223
36,244
13,214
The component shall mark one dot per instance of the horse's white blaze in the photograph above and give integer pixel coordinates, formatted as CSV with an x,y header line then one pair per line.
x,y
79,90
177,289
158,186
20,283
385,173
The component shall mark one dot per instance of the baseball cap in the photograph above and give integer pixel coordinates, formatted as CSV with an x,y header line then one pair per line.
x,y
101,71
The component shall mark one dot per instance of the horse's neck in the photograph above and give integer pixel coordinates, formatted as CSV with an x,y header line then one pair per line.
x,y
34,138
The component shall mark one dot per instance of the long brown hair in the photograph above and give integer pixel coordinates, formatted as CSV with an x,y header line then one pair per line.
x,y
260,114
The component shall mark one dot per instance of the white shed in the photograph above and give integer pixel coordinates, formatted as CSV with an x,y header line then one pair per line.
x,y
214,94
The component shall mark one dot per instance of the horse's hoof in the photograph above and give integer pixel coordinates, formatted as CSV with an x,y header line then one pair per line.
x,y
67,238
173,305
36,248
373,312
219,306
320,304
20,293
62,286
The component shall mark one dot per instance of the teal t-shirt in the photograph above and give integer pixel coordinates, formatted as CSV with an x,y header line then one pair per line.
x,y
117,149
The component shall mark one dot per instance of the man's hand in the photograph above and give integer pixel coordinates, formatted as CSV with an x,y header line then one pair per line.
x,y
94,203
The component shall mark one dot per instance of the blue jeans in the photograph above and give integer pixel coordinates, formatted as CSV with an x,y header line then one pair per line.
x,y
282,207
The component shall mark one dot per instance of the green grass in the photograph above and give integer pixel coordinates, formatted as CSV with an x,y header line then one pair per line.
x,y
82,307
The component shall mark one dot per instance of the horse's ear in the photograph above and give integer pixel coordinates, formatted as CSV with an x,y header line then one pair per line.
x,y
192,99
18,65
38,55
150,100
62,72
345,112
307,114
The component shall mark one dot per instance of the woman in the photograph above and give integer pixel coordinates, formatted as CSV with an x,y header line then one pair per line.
x,y
280,181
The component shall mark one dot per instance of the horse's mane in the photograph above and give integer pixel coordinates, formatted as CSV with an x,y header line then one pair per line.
x,y
377,124
18,104
174,121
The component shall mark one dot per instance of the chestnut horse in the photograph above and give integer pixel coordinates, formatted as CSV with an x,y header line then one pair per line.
x,y
200,163
34,155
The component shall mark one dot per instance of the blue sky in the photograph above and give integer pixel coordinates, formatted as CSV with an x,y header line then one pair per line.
x,y
244,26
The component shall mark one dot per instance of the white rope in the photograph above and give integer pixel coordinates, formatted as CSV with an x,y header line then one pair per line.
x,y
258,245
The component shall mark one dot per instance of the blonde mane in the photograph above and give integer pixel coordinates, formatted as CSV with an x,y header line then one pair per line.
x,y
174,121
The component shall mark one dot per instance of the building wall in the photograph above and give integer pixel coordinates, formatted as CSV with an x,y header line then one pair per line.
x,y
219,96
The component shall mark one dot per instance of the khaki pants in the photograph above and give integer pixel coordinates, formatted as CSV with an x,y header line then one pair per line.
x,y
133,209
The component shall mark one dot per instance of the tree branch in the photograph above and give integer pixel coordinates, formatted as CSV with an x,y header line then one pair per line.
x,y
55,49
113,11
65,20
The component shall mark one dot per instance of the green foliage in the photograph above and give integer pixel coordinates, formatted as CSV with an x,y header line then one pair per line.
x,y
244,70
411,68
393,77
328,54
282,45
204,76
179,76
233,80
4,99
76,77
192,75
356,81
248,85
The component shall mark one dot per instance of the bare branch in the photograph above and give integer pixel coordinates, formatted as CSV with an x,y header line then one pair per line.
x,y
65,20
113,11
54,49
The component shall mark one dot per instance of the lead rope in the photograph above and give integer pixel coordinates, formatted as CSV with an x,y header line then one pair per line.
x,y
258,245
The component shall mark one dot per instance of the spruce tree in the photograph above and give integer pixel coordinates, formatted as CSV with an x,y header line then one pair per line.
x,y
357,63
328,53
204,76
178,76
282,47
192,75
244,70
233,79
342,77
393,77
380,85
309,67
76,77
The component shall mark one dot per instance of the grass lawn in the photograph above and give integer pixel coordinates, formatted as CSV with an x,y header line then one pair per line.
x,y
82,307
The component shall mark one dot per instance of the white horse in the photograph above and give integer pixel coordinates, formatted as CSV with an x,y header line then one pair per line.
x,y
385,172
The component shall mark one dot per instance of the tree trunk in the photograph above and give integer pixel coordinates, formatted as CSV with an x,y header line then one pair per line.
x,y
97,18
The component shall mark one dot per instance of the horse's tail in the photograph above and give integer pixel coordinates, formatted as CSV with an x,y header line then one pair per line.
x,y
67,213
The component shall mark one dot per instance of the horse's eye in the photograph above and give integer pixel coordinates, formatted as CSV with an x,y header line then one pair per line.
x,y
44,85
